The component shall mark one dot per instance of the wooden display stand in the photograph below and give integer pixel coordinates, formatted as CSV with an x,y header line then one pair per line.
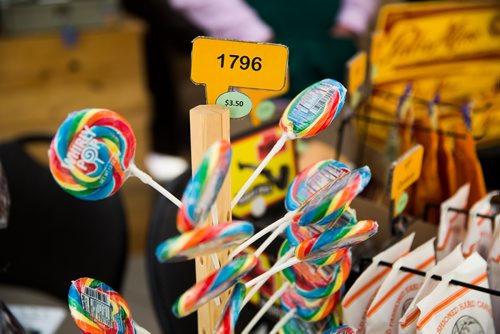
x,y
210,123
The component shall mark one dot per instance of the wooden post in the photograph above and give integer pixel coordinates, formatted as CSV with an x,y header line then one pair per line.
x,y
208,124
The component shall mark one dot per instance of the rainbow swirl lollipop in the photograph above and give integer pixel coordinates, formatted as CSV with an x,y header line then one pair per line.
x,y
322,245
229,315
309,309
308,114
97,308
314,282
296,233
213,285
341,330
313,109
312,179
92,154
203,241
334,198
203,188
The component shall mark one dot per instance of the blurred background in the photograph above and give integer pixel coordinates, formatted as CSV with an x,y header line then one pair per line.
x,y
133,57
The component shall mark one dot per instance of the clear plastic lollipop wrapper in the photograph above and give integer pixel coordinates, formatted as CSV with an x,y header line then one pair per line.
x,y
308,114
92,155
96,308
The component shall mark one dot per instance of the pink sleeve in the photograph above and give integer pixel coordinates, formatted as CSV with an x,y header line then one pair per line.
x,y
357,14
231,19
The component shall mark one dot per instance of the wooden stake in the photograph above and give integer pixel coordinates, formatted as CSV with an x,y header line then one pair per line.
x,y
208,124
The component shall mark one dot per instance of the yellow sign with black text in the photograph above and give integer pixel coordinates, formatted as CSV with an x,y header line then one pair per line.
x,y
220,64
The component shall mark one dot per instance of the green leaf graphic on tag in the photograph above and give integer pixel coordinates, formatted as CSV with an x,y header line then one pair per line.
x,y
239,104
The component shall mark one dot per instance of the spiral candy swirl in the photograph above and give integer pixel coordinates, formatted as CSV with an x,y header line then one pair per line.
x,y
213,285
91,152
229,315
313,109
86,295
310,309
322,245
312,179
203,240
311,281
334,198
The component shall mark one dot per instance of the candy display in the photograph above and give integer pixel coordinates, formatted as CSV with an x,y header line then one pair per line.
x,y
308,114
203,241
229,316
97,308
92,155
203,188
213,285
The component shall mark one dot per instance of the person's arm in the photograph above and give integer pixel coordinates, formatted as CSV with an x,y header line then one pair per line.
x,y
355,16
231,19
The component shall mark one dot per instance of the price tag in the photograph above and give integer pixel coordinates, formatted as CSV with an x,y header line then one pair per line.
x,y
220,64
406,170
356,69
239,104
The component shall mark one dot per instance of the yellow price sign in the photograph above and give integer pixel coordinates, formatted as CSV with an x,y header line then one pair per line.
x,y
356,69
406,170
220,64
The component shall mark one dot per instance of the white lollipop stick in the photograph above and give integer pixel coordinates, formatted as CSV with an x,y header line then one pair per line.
x,y
275,269
276,148
256,287
261,233
134,170
283,321
265,308
270,238
139,329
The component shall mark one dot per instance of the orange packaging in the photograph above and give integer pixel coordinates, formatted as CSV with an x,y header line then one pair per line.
x,y
359,297
398,290
455,309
